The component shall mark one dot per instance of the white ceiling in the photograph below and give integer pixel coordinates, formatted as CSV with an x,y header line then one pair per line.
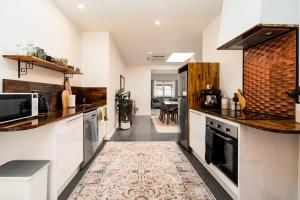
x,y
131,24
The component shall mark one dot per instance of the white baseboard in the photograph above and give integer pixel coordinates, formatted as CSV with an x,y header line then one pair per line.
x,y
110,134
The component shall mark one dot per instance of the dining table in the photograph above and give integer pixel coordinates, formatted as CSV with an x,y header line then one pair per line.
x,y
171,103
168,106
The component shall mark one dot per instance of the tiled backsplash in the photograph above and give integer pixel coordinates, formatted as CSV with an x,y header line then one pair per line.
x,y
269,72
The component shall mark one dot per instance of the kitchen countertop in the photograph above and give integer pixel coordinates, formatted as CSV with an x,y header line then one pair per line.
x,y
284,126
42,120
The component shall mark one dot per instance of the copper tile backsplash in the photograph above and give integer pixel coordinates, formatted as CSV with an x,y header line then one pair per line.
x,y
270,71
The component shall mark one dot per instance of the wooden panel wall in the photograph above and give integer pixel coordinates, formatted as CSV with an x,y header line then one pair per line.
x,y
53,92
50,91
199,75
93,94
270,71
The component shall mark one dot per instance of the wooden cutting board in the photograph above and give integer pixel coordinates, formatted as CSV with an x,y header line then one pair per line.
x,y
64,98
68,86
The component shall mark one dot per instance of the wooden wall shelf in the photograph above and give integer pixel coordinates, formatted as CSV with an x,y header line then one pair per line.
x,y
32,60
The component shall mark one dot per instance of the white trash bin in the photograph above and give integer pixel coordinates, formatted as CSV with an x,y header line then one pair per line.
x,y
24,180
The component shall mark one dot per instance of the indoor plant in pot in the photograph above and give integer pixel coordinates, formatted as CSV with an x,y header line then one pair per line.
x,y
121,100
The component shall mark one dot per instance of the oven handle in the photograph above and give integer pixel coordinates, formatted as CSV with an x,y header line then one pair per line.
x,y
227,139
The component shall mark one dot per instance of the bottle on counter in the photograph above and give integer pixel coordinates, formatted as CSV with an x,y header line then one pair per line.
x,y
235,100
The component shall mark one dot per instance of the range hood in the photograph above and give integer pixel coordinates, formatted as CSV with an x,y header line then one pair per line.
x,y
247,23
256,35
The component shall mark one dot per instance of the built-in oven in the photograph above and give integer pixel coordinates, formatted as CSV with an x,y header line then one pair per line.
x,y
16,106
222,147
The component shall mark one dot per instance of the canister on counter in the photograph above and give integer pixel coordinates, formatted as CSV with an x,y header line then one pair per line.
x,y
225,103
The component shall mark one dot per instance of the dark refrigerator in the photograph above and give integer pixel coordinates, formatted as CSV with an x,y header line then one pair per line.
x,y
183,137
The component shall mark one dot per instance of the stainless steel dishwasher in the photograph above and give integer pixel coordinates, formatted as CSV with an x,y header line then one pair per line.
x,y
90,136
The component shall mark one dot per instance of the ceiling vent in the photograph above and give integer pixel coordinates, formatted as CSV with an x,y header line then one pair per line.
x,y
158,58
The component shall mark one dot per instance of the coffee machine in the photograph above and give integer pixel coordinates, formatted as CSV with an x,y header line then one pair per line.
x,y
210,97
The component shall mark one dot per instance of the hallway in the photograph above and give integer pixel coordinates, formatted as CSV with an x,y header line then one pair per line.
x,y
139,156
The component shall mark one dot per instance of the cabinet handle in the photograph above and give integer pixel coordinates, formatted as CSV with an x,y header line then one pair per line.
x,y
72,120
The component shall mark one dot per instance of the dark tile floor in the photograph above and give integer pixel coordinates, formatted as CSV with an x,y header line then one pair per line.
x,y
143,130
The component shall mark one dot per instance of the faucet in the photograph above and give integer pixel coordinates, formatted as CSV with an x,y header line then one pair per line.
x,y
84,100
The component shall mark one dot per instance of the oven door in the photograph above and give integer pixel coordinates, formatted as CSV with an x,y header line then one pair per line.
x,y
227,151
15,106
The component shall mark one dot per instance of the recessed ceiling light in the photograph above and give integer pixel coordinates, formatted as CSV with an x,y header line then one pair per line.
x,y
157,22
150,52
179,57
80,6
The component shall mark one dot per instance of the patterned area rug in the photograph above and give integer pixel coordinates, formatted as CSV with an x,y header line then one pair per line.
x,y
141,171
160,127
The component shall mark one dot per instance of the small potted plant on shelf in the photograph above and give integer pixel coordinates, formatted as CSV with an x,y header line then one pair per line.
x,y
121,100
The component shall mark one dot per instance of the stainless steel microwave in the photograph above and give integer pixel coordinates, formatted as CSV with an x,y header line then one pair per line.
x,y
16,106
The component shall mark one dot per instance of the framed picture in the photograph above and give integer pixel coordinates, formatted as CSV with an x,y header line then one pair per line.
x,y
122,82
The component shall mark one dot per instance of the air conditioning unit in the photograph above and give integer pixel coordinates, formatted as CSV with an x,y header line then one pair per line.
x,y
158,58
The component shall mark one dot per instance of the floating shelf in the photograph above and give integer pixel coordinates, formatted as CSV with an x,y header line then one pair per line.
x,y
32,60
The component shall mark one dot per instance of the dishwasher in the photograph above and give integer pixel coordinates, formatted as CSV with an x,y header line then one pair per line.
x,y
90,136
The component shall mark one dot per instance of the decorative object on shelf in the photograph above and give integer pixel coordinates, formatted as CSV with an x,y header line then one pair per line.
x,y
34,60
38,52
121,99
64,61
71,67
242,99
49,58
77,69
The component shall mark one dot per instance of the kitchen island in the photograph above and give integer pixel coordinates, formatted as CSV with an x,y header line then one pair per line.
x,y
267,155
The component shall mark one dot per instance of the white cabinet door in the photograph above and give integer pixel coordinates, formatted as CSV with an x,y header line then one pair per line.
x,y
69,149
197,133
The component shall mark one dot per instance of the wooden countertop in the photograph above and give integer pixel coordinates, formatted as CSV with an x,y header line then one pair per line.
x,y
284,126
42,120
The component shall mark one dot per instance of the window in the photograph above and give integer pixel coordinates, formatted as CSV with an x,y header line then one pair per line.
x,y
164,88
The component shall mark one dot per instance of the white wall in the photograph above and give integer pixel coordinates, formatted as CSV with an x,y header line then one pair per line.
x,y
94,59
42,22
231,62
138,82
103,66
116,68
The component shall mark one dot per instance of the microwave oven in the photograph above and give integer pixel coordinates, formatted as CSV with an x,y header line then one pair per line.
x,y
16,106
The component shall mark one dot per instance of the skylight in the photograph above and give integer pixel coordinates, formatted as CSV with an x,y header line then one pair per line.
x,y
179,57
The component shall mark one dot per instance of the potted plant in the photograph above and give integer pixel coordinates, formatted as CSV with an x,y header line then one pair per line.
x,y
121,100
